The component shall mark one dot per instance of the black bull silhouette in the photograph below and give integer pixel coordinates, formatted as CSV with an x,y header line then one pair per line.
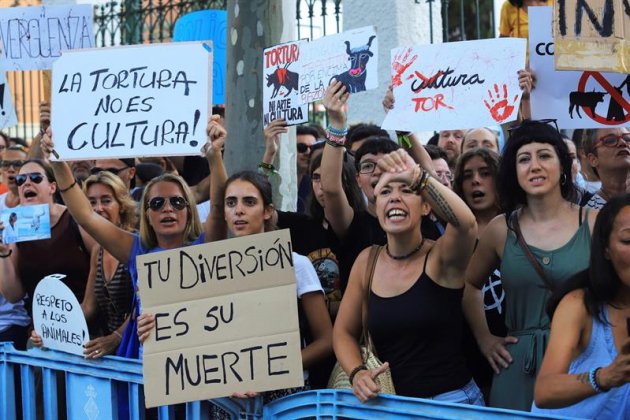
x,y
585,99
282,77
354,78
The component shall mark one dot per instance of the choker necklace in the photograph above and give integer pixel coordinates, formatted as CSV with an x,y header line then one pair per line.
x,y
404,257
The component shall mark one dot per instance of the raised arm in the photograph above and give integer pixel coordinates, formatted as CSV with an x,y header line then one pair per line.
x,y
484,261
337,210
114,239
215,227
526,81
455,247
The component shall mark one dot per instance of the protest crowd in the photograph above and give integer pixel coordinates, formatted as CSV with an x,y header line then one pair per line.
x,y
487,266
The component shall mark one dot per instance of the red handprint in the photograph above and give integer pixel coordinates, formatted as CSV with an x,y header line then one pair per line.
x,y
400,65
499,108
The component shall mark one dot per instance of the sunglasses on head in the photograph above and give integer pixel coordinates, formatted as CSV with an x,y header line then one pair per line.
x,y
612,140
303,148
178,203
95,170
15,163
35,177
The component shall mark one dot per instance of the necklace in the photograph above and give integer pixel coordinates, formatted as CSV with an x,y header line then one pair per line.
x,y
404,257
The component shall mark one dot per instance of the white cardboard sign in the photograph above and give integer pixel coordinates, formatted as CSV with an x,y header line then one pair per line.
x,y
350,57
456,85
7,111
281,72
226,319
577,99
34,37
123,102
58,317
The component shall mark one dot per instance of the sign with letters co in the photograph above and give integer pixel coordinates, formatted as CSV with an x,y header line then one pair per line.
x,y
123,102
225,319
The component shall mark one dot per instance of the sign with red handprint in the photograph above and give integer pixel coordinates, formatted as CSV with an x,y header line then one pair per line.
x,y
456,85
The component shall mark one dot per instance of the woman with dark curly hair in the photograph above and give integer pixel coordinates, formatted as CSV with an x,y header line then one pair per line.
x,y
535,191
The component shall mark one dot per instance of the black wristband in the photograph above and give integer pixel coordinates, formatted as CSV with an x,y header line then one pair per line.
x,y
8,255
74,182
355,371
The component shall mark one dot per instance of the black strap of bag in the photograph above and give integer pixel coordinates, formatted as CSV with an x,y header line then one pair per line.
x,y
532,259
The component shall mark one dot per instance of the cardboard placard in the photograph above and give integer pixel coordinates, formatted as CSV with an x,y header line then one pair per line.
x,y
350,57
124,102
208,25
577,99
34,37
58,317
281,72
456,85
592,35
25,223
226,319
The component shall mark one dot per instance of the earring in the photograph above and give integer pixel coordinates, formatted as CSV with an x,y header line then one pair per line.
x,y
563,179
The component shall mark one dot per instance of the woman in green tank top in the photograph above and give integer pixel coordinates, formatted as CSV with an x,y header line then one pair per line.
x,y
535,189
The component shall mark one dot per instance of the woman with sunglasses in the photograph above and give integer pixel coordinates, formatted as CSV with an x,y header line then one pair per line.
x,y
24,264
535,192
608,152
109,291
168,219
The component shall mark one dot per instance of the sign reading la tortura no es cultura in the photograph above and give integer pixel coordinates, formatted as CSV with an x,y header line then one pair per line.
x,y
218,327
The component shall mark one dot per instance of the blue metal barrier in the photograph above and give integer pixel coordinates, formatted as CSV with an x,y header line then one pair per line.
x,y
332,404
91,388
88,389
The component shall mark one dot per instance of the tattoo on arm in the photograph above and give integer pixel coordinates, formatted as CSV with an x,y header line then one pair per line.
x,y
583,377
441,206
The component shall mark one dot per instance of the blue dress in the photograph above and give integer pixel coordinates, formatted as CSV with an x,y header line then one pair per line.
x,y
601,351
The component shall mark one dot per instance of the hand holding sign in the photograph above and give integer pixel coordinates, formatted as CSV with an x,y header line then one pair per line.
x,y
216,137
334,101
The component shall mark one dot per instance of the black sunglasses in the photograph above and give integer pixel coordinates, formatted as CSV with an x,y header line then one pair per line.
x,y
15,163
178,203
303,148
526,123
95,170
35,177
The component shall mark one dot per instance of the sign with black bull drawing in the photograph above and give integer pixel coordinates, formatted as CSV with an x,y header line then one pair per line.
x,y
125,102
225,319
577,99
350,57
282,69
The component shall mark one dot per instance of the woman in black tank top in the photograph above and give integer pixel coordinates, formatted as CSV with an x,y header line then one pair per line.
x,y
415,318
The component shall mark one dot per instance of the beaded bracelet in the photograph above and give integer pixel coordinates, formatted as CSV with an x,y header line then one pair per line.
x,y
355,371
422,182
336,131
592,378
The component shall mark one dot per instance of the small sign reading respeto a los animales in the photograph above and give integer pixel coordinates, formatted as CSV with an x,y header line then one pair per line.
x,y
58,317
123,102
456,85
34,37
225,319
350,57
282,69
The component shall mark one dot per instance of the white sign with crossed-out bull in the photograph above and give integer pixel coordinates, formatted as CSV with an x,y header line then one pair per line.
x,y
577,99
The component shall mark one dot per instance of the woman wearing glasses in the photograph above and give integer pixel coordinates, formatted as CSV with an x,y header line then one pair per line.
x,y
540,242
24,264
14,158
168,219
608,152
